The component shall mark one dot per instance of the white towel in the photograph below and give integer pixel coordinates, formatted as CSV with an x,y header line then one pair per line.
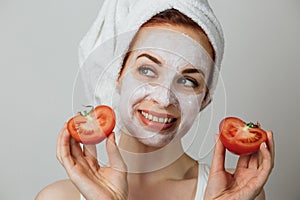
x,y
118,17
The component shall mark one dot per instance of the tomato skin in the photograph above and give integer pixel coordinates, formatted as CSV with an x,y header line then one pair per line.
x,y
239,138
94,127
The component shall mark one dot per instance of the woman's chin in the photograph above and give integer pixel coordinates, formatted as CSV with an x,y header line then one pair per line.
x,y
157,141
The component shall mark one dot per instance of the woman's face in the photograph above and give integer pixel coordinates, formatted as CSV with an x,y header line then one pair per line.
x,y
163,83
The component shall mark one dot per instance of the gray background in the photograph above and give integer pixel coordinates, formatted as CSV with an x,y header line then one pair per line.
x,y
38,48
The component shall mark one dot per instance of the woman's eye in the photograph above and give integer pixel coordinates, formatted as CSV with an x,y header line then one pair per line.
x,y
146,71
188,82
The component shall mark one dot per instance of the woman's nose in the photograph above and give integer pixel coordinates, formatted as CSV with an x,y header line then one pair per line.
x,y
163,95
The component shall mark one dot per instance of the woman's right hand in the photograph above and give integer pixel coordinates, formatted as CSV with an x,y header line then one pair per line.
x,y
93,181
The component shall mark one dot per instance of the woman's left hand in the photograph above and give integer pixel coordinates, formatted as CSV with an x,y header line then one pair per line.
x,y
249,177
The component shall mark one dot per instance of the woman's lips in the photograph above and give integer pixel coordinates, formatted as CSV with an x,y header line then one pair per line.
x,y
156,121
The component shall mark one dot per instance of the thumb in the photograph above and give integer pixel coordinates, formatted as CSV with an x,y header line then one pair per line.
x,y
114,156
218,156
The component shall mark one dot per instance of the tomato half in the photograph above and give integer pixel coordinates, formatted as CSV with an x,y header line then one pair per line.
x,y
91,127
241,138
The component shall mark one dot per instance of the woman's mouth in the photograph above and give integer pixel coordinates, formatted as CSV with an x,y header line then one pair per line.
x,y
156,121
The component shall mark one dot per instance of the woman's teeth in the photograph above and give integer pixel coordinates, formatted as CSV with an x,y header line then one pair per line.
x,y
163,120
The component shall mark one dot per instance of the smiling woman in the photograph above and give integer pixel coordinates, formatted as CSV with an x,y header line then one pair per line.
x,y
168,76
163,78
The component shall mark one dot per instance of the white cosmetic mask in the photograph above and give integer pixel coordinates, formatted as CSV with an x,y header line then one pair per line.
x,y
164,84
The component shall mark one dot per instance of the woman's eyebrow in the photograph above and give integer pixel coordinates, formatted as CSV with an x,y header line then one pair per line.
x,y
155,60
193,70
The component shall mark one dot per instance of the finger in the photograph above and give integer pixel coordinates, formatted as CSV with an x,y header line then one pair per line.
x,y
271,146
266,156
266,165
90,154
260,158
90,150
114,156
243,161
77,154
219,156
76,150
254,161
58,143
64,149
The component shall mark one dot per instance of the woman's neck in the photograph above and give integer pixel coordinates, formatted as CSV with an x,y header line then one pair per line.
x,y
144,162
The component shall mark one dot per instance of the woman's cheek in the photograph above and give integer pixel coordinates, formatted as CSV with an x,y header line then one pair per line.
x,y
131,93
190,108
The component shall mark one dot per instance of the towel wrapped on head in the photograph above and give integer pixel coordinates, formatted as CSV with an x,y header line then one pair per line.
x,y
102,49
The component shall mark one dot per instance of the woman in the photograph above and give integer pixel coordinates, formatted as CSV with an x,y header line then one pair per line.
x,y
167,78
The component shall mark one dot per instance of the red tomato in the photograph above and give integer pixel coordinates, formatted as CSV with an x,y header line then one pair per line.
x,y
91,127
241,138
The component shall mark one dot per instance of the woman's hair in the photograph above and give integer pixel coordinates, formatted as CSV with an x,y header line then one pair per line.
x,y
173,17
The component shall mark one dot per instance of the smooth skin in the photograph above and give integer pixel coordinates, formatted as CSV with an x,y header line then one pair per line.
x,y
176,181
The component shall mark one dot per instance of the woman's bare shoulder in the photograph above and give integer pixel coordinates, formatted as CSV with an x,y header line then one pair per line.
x,y
59,190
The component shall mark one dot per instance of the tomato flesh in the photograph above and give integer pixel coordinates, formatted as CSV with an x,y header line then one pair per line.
x,y
93,127
239,138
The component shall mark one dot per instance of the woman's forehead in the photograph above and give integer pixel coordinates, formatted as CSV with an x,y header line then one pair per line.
x,y
170,46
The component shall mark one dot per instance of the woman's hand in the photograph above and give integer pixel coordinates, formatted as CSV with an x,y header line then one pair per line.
x,y
249,177
93,181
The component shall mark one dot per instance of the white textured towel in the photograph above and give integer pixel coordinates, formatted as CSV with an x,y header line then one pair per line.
x,y
118,17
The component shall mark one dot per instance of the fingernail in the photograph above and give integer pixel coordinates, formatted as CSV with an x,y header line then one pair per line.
x,y
264,144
